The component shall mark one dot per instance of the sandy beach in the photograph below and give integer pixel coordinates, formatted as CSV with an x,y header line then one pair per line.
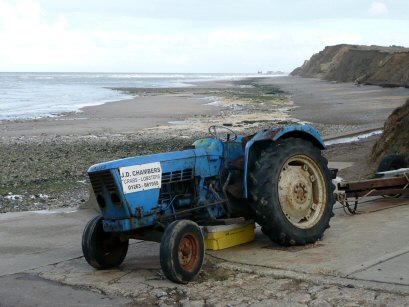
x,y
326,102
345,105
44,161
152,107
126,116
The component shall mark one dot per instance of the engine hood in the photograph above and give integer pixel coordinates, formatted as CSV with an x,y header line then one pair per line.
x,y
162,157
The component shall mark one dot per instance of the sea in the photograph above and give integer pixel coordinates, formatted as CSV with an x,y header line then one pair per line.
x,y
36,95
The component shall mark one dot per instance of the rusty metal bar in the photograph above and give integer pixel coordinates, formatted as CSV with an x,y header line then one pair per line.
x,y
366,185
403,192
352,191
183,212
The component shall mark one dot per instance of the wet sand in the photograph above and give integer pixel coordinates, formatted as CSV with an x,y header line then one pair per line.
x,y
127,116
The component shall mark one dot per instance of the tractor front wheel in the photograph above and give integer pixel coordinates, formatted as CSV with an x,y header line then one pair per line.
x,y
292,192
182,251
102,250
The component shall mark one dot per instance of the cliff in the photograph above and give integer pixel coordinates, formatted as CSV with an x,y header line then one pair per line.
x,y
384,66
395,136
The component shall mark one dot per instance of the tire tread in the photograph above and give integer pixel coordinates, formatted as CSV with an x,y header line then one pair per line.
x,y
272,224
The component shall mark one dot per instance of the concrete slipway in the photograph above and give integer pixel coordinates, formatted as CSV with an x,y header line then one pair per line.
x,y
371,248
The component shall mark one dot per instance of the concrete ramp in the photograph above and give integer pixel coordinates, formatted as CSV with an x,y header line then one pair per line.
x,y
33,239
373,245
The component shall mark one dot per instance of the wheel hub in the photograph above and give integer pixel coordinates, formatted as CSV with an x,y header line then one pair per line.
x,y
301,191
188,252
296,189
185,251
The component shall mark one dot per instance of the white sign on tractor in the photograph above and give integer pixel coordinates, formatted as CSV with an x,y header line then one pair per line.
x,y
141,177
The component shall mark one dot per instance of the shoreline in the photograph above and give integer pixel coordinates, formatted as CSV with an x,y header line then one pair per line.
x,y
112,117
344,106
185,83
150,107
44,162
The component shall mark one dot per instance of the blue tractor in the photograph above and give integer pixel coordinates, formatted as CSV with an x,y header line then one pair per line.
x,y
276,177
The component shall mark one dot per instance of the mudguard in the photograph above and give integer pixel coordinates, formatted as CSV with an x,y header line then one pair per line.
x,y
305,132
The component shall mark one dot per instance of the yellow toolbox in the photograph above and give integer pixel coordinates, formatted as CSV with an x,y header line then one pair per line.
x,y
225,236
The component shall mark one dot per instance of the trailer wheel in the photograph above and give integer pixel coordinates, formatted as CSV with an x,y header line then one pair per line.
x,y
391,162
182,251
102,250
291,192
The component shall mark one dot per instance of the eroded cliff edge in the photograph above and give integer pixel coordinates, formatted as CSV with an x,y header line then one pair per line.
x,y
370,65
395,136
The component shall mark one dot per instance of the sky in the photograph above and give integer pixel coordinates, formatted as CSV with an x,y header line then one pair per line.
x,y
191,36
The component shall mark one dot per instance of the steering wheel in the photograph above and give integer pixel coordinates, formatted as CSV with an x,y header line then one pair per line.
x,y
229,136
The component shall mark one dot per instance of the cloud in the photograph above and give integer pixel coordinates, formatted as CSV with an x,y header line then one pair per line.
x,y
32,42
35,38
377,8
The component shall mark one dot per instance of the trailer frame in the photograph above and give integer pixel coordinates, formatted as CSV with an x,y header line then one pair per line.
x,y
394,183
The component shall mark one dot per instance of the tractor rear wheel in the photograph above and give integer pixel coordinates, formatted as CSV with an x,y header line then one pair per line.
x,y
291,192
182,251
102,250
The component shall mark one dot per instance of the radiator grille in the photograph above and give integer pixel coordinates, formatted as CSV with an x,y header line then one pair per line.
x,y
101,179
177,176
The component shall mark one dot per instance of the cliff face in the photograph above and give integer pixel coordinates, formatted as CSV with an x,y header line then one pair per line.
x,y
395,137
385,66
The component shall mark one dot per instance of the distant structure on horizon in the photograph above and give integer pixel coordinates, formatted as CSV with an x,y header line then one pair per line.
x,y
278,72
271,72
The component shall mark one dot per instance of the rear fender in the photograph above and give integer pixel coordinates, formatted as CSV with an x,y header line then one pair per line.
x,y
264,138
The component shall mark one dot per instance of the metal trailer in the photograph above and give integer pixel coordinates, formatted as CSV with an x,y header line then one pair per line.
x,y
393,183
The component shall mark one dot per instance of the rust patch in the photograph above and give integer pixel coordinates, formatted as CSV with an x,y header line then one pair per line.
x,y
272,133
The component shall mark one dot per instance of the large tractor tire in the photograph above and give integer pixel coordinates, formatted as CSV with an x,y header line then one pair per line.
x,y
102,250
291,192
